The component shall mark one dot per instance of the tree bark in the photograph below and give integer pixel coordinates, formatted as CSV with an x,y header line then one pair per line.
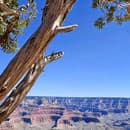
x,y
29,60
18,93
54,13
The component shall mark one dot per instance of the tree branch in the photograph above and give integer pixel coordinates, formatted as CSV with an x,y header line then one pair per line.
x,y
63,29
20,91
53,56
7,10
54,16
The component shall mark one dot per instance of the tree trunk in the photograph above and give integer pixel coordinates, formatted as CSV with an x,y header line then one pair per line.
x,y
27,59
17,94
54,14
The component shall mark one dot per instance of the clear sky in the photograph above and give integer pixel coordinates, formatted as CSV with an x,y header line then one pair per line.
x,y
96,62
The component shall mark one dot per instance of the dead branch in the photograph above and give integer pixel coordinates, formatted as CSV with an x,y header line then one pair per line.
x,y
66,28
19,92
52,18
7,11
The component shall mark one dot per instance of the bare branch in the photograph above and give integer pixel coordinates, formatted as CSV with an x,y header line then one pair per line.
x,y
6,14
56,12
53,56
6,9
66,28
25,85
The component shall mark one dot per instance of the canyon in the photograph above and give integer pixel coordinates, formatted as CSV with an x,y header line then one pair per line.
x,y
70,113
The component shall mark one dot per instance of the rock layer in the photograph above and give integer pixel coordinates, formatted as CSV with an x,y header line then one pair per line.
x,y
65,113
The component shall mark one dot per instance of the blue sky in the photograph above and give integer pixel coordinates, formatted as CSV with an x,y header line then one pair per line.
x,y
96,62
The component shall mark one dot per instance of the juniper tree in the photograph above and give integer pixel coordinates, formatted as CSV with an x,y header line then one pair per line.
x,y
13,19
23,70
112,11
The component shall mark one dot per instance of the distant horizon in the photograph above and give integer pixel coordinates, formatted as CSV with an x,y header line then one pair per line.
x,y
74,97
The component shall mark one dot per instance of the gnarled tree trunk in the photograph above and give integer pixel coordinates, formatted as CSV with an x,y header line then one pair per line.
x,y
27,59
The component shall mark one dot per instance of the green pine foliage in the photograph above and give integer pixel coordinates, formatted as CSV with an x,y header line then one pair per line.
x,y
12,26
112,11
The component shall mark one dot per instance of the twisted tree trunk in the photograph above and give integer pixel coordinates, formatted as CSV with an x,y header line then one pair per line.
x,y
27,59
19,92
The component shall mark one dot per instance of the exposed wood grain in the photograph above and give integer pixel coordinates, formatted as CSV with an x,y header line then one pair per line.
x,y
55,12
66,28
25,85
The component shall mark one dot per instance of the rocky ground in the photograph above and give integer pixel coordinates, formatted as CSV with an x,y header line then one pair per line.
x,y
55,113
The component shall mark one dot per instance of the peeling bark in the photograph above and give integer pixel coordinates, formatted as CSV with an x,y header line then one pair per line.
x,y
29,59
54,13
25,85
